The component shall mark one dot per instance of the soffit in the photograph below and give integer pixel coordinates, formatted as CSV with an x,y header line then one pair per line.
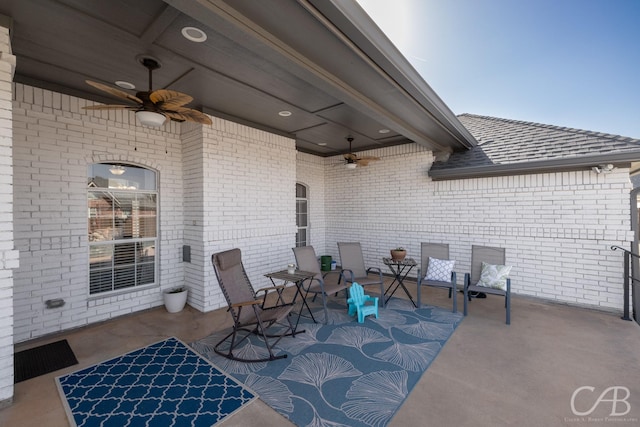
x,y
324,64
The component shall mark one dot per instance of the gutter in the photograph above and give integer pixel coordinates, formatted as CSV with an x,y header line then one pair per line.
x,y
622,159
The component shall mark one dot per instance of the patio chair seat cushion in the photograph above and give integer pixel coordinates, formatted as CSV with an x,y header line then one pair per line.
x,y
439,270
494,276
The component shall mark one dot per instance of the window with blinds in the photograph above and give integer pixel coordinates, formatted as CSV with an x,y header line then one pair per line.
x,y
122,227
302,216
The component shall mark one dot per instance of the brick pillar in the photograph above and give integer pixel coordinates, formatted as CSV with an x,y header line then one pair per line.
x,y
8,256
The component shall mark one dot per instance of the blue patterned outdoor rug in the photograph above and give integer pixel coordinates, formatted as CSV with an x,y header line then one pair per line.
x,y
161,385
344,373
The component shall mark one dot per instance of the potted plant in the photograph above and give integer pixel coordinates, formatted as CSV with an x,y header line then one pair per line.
x,y
175,299
398,253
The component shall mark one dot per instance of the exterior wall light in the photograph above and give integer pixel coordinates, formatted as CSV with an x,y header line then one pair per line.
x,y
603,168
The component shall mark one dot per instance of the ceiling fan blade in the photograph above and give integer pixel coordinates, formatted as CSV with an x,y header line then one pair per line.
x,y
111,107
169,99
350,156
364,161
188,114
115,92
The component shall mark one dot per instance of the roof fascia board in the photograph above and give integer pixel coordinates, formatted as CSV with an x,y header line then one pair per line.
x,y
558,165
359,27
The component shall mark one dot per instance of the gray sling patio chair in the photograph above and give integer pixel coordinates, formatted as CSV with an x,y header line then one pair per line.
x,y
488,255
439,251
321,284
354,270
250,315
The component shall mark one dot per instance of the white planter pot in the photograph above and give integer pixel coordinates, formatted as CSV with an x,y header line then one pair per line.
x,y
175,302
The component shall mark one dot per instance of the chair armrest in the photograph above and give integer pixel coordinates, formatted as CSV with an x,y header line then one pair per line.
x,y
346,273
373,270
419,277
331,272
276,288
308,283
243,304
271,288
467,280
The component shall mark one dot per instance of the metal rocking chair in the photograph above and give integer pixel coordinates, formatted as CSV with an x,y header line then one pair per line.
x,y
247,309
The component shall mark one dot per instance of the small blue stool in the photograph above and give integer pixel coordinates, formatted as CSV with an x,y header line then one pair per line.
x,y
358,302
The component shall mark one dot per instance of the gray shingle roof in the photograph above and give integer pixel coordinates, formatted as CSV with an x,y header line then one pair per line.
x,y
512,145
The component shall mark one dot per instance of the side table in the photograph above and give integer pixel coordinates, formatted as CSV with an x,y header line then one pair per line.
x,y
400,270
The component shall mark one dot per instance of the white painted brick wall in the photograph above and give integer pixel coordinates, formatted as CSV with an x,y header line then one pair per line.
x,y
54,142
310,171
557,228
8,256
249,201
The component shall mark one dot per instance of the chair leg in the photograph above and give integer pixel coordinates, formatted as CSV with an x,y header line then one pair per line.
x,y
324,304
418,292
508,301
465,300
304,304
266,339
455,300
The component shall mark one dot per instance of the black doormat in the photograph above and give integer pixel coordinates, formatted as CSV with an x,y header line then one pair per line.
x,y
42,360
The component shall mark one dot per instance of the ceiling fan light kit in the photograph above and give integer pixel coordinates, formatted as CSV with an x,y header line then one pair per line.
x,y
150,118
153,107
352,160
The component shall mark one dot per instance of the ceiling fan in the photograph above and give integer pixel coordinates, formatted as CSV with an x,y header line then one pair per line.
x,y
153,106
352,160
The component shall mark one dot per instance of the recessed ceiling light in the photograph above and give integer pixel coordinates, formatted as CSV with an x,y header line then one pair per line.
x,y
194,34
285,113
125,85
322,144
384,131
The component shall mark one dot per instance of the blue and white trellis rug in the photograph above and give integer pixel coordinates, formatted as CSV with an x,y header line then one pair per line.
x,y
344,373
163,384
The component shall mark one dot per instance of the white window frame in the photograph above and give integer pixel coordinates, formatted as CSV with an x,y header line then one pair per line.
x,y
143,247
307,227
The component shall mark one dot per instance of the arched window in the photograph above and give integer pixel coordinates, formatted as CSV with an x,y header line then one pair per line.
x,y
302,215
122,224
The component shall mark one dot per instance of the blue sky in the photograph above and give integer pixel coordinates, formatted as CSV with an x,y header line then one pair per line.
x,y
573,63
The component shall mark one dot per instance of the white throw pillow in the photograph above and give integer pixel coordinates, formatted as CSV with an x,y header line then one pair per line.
x,y
494,276
439,270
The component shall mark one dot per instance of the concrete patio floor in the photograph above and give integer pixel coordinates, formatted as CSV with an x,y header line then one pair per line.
x,y
488,373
